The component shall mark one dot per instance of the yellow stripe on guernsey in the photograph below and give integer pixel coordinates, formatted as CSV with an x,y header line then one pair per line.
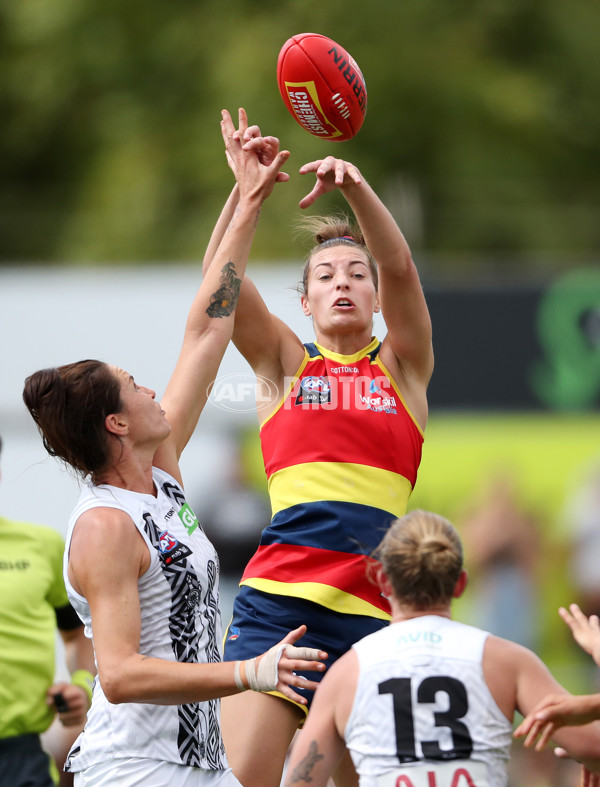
x,y
353,483
335,599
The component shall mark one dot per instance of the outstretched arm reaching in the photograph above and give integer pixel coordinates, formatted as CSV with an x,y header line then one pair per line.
x,y
269,346
561,710
402,300
210,321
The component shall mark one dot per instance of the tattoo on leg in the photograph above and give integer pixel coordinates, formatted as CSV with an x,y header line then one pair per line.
x,y
224,300
302,772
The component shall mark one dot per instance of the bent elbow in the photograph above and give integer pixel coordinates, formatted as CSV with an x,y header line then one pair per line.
x,y
117,688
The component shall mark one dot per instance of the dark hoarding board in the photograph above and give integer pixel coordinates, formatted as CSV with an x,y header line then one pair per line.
x,y
518,348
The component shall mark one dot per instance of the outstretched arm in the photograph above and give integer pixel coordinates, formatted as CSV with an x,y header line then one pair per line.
x,y
534,683
266,149
402,300
210,321
556,711
263,339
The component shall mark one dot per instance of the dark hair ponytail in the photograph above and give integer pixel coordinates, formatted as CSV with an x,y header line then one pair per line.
x,y
69,405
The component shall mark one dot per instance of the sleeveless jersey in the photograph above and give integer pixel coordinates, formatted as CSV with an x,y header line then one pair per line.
x,y
423,715
341,455
180,621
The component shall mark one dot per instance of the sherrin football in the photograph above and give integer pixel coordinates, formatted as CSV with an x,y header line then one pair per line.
x,y
322,86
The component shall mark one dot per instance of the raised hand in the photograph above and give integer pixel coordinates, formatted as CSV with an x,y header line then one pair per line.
x,y
586,631
251,139
332,173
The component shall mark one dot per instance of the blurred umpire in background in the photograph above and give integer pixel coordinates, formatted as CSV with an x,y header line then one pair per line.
x,y
34,605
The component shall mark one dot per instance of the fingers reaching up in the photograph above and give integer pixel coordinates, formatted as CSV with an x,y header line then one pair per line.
x,y
250,139
331,173
586,631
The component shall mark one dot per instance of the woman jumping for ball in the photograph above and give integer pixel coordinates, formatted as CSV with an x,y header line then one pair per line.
x,y
341,444
139,569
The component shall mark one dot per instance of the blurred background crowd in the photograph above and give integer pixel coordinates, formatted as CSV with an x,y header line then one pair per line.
x,y
482,135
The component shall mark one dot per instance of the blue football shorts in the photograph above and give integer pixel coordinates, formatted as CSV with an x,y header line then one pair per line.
x,y
261,620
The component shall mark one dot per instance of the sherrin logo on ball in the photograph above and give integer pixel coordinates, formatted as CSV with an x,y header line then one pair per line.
x,y
322,86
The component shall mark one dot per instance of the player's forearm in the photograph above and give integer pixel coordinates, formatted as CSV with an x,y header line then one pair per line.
x,y
217,298
383,237
313,760
79,651
161,682
221,228
582,743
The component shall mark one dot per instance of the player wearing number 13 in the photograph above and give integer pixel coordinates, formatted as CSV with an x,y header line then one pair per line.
x,y
427,701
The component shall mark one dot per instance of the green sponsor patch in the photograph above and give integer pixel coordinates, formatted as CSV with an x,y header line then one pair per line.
x,y
188,518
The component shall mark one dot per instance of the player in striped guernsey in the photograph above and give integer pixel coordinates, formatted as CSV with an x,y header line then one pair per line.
x,y
341,443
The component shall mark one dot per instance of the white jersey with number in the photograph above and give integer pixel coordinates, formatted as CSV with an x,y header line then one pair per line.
x,y
180,621
423,715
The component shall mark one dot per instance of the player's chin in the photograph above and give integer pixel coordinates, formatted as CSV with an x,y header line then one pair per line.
x,y
165,428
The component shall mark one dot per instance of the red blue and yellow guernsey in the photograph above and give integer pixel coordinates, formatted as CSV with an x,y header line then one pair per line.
x,y
341,455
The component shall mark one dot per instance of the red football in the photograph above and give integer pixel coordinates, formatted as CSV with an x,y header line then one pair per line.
x,y
322,86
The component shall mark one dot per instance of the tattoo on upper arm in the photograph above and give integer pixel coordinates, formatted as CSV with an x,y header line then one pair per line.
x,y
224,300
302,772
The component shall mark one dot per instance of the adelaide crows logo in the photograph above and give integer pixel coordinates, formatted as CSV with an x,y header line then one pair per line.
x,y
314,390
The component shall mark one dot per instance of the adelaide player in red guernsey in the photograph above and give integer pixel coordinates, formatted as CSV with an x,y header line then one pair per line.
x,y
341,441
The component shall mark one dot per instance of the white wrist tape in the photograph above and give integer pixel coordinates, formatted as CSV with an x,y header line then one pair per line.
x,y
266,677
237,677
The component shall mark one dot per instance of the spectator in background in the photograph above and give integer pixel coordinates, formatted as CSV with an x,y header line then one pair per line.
x,y
502,545
34,605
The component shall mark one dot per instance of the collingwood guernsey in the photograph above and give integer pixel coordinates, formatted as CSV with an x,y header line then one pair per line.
x,y
180,621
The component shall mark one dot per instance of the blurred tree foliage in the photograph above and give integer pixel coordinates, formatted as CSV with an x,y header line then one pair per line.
x,y
482,132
